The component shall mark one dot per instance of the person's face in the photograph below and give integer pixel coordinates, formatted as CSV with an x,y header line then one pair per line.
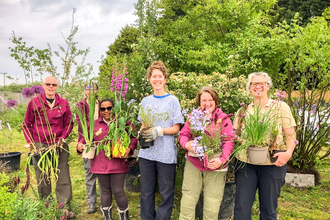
x,y
157,80
259,87
106,110
207,102
90,89
50,86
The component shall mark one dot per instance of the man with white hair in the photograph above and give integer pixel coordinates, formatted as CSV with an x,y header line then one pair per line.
x,y
48,122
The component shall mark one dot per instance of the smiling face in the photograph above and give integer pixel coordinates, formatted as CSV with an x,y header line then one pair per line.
x,y
157,80
106,110
207,102
50,86
259,87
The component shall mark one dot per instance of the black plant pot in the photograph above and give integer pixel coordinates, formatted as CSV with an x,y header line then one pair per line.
x,y
132,180
227,203
144,144
12,160
272,159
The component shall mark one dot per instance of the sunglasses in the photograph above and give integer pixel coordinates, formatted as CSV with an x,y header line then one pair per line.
x,y
50,84
107,108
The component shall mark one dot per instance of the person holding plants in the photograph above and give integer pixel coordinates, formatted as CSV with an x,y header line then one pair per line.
x,y
90,178
46,125
202,170
111,173
161,158
274,118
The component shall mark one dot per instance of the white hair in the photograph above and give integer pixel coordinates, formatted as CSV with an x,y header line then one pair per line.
x,y
251,75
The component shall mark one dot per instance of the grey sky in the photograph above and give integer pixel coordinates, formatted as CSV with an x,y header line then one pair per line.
x,y
40,22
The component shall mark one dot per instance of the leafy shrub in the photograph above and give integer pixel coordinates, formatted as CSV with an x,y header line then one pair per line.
x,y
7,199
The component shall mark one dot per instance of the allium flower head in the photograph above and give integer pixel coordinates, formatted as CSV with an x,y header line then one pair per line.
x,y
27,92
37,90
11,103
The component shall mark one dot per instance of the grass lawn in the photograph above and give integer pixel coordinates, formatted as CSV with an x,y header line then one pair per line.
x,y
311,203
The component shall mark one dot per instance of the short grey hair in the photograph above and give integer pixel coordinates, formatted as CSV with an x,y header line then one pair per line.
x,y
251,75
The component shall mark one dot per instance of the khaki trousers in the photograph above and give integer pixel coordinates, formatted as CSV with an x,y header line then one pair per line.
x,y
194,181
63,184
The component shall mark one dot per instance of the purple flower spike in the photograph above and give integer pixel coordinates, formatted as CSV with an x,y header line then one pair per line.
x,y
27,92
38,90
60,206
11,103
47,204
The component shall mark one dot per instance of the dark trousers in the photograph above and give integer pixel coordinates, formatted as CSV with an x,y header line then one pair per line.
x,y
113,184
166,178
63,184
268,180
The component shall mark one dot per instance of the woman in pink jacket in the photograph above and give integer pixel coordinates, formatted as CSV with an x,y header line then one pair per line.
x,y
111,173
198,175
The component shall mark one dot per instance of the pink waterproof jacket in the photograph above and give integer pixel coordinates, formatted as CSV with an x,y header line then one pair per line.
x,y
228,142
44,124
84,108
101,164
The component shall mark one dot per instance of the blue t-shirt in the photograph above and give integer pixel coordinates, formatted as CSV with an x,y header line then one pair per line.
x,y
164,149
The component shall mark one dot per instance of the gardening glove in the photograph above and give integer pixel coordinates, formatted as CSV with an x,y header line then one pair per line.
x,y
152,133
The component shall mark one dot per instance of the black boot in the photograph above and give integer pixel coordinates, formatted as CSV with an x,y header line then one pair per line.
x,y
107,213
123,215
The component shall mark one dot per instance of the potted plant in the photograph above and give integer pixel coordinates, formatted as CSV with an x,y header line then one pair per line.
x,y
122,114
149,116
10,160
258,133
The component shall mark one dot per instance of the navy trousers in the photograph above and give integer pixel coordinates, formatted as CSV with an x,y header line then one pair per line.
x,y
268,180
166,177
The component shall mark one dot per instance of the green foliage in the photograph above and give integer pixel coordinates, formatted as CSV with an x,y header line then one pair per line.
x,y
7,199
307,9
232,91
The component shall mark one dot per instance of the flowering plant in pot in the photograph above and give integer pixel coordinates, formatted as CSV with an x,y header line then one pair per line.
x,y
122,114
208,139
259,131
150,116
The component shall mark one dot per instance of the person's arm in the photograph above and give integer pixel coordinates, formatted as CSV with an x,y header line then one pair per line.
x,y
185,138
67,122
283,157
172,130
27,125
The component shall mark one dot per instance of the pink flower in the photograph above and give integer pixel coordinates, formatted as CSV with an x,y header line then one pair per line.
x,y
296,142
11,103
241,104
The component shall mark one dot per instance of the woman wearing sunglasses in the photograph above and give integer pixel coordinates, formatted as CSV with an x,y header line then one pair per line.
x,y
111,173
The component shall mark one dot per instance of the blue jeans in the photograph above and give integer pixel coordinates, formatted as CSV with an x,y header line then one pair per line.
x,y
166,177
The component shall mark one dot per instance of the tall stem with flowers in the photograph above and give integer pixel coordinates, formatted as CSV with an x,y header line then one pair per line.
x,y
116,144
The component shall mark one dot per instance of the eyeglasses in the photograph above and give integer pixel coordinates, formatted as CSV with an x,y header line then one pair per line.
x,y
107,108
254,84
50,84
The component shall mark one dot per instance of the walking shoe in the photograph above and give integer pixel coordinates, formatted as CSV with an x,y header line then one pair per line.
x,y
91,208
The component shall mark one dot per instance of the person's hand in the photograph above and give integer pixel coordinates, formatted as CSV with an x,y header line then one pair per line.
x,y
152,133
31,147
214,163
282,158
127,152
80,147
60,141
189,147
